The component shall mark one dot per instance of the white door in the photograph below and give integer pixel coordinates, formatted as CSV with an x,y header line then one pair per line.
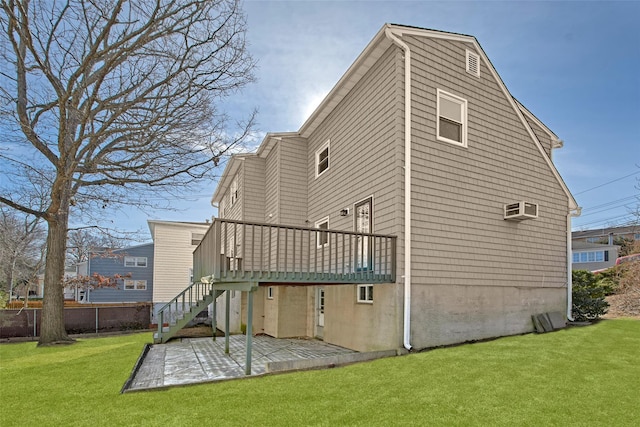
x,y
320,312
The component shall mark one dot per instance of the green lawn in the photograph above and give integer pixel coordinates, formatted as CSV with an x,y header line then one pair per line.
x,y
578,376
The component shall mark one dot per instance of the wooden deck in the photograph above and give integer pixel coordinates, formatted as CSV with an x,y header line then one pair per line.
x,y
239,251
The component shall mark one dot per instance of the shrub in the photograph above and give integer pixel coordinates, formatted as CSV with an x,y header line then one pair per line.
x,y
588,296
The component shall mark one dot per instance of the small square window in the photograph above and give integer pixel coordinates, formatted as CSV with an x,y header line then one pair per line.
x,y
322,159
365,294
196,238
452,119
322,237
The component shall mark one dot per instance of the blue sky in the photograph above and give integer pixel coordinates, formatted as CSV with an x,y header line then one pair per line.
x,y
575,65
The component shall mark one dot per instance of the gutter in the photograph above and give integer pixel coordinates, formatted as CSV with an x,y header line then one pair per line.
x,y
572,213
407,186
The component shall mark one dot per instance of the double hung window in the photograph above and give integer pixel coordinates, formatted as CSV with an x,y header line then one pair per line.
x,y
322,159
135,261
452,119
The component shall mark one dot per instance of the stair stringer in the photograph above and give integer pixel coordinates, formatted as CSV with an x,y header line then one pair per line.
x,y
170,331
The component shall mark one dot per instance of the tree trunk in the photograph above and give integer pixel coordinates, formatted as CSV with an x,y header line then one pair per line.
x,y
52,330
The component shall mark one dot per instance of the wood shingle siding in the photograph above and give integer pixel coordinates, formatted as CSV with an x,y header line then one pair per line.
x,y
458,193
364,140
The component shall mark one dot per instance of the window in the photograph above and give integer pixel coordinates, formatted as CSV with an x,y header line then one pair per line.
x,y
322,237
452,119
270,292
135,285
196,238
233,191
322,159
595,239
590,256
473,63
365,294
135,261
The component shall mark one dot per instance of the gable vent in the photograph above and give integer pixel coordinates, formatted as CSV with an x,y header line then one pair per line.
x,y
520,211
473,63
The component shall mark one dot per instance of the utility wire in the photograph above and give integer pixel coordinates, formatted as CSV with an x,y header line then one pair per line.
x,y
607,183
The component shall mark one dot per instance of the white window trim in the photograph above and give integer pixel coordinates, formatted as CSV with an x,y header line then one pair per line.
x,y
133,283
317,225
463,103
477,58
326,145
135,260
369,294
270,292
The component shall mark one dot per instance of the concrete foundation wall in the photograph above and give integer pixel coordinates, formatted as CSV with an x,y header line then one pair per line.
x,y
285,315
293,311
362,326
446,314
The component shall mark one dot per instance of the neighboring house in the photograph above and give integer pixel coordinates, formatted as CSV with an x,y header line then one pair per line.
x,y
174,243
593,256
135,264
608,235
420,139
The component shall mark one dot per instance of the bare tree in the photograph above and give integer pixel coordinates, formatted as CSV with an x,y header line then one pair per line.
x,y
106,102
21,248
82,241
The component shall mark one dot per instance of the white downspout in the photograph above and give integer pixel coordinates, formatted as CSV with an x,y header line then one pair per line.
x,y
572,213
407,187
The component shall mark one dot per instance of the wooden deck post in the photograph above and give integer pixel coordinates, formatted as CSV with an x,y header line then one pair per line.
x,y
247,369
214,315
226,321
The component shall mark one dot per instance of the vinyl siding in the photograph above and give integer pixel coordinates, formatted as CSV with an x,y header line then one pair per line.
x,y
363,162
292,181
542,136
234,211
253,195
272,186
173,258
114,264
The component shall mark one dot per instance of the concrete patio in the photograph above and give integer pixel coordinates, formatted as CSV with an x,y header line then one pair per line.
x,y
198,360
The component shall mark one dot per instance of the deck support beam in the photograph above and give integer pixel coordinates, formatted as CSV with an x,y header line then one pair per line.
x,y
247,369
214,315
227,298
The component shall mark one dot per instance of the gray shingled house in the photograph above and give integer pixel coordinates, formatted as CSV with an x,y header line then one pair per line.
x,y
418,206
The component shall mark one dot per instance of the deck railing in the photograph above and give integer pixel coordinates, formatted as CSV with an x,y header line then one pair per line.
x,y
245,251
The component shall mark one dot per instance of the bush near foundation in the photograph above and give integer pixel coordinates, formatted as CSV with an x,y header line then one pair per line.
x,y
588,297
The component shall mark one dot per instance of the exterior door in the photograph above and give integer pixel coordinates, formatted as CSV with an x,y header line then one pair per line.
x,y
363,225
320,312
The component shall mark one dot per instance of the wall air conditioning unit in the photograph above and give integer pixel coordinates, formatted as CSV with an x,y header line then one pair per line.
x,y
520,211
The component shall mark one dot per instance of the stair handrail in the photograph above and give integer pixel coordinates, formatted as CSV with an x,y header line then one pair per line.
x,y
202,289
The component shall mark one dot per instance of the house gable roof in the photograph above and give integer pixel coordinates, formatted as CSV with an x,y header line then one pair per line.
x,y
369,56
378,46
153,223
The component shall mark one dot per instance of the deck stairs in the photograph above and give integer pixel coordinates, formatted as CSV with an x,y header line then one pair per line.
x,y
182,309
